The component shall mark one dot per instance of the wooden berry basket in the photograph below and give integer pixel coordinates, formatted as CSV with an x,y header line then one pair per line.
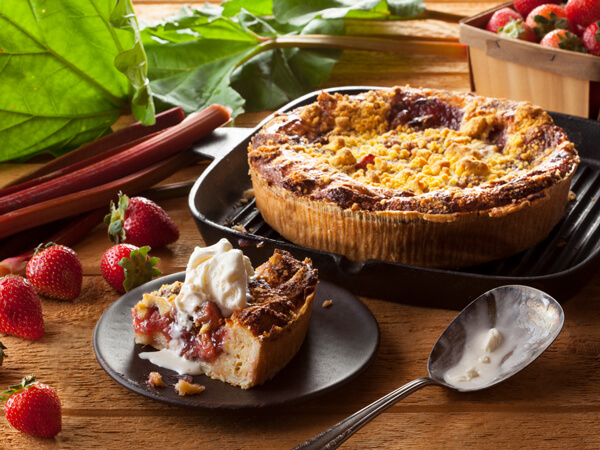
x,y
557,80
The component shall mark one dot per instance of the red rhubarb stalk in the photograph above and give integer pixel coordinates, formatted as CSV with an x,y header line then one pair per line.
x,y
74,231
167,143
92,198
73,167
120,137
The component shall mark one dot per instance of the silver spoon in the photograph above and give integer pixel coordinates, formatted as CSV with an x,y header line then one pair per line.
x,y
526,321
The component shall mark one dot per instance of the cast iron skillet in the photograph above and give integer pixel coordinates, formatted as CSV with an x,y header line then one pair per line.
x,y
560,265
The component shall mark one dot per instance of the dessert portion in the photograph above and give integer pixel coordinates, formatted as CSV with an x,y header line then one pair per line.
x,y
227,320
416,176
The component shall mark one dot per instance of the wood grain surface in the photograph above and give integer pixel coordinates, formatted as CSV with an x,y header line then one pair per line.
x,y
554,403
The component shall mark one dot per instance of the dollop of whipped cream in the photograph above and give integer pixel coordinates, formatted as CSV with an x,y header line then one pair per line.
x,y
219,274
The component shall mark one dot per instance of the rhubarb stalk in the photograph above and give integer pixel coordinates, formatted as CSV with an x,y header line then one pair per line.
x,y
72,232
155,149
92,198
119,138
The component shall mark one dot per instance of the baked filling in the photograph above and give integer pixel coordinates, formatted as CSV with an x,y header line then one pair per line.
x,y
250,345
433,154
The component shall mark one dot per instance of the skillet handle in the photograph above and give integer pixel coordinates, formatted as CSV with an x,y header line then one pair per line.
x,y
220,142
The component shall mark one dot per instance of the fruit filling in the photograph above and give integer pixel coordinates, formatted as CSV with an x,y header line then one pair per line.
x,y
202,342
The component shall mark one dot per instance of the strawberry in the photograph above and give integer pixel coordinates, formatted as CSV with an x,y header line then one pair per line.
x,y
546,18
500,18
20,308
139,221
55,271
582,13
591,38
33,408
526,6
563,39
518,29
125,266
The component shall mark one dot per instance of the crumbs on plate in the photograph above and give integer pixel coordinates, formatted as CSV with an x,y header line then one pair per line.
x,y
184,387
155,380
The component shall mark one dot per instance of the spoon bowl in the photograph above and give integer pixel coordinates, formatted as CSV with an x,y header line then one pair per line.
x,y
528,321
495,336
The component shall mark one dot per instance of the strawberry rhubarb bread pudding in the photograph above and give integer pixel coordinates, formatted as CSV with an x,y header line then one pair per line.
x,y
415,176
227,320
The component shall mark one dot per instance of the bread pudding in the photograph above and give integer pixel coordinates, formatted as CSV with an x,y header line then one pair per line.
x,y
244,345
414,176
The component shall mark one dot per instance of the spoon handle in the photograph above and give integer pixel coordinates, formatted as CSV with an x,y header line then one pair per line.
x,y
334,436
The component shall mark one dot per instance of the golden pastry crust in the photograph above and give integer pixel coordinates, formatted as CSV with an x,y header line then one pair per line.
x,y
407,174
252,345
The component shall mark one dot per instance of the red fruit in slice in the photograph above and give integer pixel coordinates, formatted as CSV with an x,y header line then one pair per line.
x,y
20,308
546,18
33,408
125,266
583,12
501,18
518,29
140,222
591,38
563,39
56,271
526,6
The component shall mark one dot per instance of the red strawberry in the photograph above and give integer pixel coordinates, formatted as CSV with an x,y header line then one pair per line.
x,y
518,29
500,18
125,266
591,38
526,6
582,13
20,308
563,39
55,271
33,408
546,18
140,222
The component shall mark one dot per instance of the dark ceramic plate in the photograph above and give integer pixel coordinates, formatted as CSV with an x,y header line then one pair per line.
x,y
341,342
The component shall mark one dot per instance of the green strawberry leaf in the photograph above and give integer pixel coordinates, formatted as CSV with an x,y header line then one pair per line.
x,y
115,219
139,268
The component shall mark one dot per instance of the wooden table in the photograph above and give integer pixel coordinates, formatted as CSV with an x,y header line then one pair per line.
x,y
555,403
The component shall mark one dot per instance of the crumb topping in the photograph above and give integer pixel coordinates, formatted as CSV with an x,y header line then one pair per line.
x,y
184,387
155,380
410,149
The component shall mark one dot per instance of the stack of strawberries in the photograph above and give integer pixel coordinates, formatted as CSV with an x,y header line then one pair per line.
x,y
572,26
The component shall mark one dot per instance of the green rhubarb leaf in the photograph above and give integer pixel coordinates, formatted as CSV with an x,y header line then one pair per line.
x,y
231,54
405,8
255,7
199,56
132,61
299,12
192,56
60,86
276,77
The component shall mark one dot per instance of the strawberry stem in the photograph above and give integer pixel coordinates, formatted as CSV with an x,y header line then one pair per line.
x,y
139,268
26,382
